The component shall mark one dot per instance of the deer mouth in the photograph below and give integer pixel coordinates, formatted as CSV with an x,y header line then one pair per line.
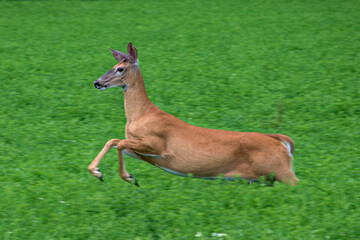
x,y
107,86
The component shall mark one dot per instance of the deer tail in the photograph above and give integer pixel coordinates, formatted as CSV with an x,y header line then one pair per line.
x,y
288,142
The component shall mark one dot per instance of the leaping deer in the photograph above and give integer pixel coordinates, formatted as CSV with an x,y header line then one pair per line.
x,y
177,147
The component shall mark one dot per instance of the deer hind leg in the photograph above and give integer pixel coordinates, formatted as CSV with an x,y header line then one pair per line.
x,y
287,176
93,167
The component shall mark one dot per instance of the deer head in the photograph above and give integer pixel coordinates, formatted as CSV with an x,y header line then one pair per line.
x,y
121,74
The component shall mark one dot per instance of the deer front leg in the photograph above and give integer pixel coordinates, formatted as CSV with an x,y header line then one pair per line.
x,y
139,146
93,167
122,170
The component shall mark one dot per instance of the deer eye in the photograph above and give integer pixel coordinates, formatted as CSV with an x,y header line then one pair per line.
x,y
120,70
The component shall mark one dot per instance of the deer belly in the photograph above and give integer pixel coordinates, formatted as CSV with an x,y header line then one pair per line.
x,y
130,154
171,171
137,155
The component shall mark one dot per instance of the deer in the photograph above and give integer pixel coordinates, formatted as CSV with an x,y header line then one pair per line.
x,y
179,148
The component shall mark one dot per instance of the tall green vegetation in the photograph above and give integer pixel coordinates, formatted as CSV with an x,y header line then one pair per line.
x,y
288,67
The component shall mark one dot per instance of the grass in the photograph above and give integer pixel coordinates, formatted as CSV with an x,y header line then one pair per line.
x,y
288,67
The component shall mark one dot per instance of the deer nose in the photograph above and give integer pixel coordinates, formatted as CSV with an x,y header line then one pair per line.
x,y
96,84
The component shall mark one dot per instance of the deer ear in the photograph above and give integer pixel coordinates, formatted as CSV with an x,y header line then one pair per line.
x,y
119,56
132,53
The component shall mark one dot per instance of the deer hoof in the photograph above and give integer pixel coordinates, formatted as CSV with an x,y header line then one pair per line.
x,y
101,178
97,174
132,180
252,181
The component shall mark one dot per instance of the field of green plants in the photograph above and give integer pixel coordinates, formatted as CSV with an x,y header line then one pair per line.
x,y
290,67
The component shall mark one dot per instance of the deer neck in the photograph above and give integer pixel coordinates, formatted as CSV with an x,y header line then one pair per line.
x,y
136,100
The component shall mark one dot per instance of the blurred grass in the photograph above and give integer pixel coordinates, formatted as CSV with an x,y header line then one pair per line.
x,y
279,66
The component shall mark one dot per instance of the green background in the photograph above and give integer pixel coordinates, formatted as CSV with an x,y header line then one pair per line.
x,y
288,67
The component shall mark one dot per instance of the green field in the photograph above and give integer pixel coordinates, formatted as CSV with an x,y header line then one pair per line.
x,y
290,67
